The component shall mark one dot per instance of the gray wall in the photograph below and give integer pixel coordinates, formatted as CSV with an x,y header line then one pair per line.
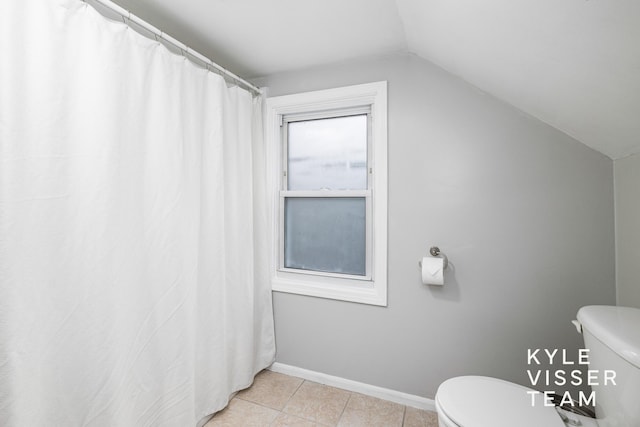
x,y
627,179
524,212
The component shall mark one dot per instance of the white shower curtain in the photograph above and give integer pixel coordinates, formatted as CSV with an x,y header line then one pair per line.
x,y
133,281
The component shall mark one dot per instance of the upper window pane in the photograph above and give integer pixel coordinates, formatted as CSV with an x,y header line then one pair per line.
x,y
327,154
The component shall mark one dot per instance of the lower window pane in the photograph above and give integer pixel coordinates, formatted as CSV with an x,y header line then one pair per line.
x,y
325,234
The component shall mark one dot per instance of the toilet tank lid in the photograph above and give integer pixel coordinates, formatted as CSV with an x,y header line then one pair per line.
x,y
616,327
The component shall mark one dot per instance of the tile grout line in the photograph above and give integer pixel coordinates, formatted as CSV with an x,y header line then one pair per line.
x,y
280,411
292,394
345,407
288,400
256,403
404,414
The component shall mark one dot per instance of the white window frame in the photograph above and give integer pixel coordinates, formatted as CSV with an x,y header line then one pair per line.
x,y
368,289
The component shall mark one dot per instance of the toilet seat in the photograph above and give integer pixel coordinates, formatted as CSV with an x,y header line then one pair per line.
x,y
474,401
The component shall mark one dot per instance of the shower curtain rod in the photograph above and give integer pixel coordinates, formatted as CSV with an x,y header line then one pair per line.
x,y
186,50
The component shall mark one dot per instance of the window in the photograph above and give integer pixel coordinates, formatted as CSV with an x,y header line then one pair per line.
x,y
330,192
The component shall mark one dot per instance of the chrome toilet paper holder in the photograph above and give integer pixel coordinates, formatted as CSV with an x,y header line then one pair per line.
x,y
435,252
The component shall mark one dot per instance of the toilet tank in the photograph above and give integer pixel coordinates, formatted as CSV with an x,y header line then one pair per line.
x,y
612,335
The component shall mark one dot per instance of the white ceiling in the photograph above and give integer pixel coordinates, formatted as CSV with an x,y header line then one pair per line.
x,y
574,64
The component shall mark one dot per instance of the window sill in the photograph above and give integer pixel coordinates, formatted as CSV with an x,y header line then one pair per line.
x,y
366,293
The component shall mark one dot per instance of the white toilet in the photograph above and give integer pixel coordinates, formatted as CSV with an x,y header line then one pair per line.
x,y
612,335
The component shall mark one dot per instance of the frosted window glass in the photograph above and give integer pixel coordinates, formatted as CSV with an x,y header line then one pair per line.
x,y
328,154
325,234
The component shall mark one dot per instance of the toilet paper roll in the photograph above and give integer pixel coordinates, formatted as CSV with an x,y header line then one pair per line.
x,y
432,271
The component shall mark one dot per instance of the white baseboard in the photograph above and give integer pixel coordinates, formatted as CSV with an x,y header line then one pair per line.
x,y
355,386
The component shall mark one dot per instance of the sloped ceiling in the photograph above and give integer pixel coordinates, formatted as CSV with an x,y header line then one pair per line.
x,y
574,64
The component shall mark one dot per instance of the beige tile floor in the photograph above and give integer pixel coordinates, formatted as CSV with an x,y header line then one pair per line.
x,y
280,400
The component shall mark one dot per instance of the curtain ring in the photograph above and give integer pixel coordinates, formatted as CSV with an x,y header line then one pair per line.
x,y
127,19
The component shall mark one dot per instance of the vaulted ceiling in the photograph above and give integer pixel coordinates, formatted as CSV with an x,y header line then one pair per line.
x,y
574,64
